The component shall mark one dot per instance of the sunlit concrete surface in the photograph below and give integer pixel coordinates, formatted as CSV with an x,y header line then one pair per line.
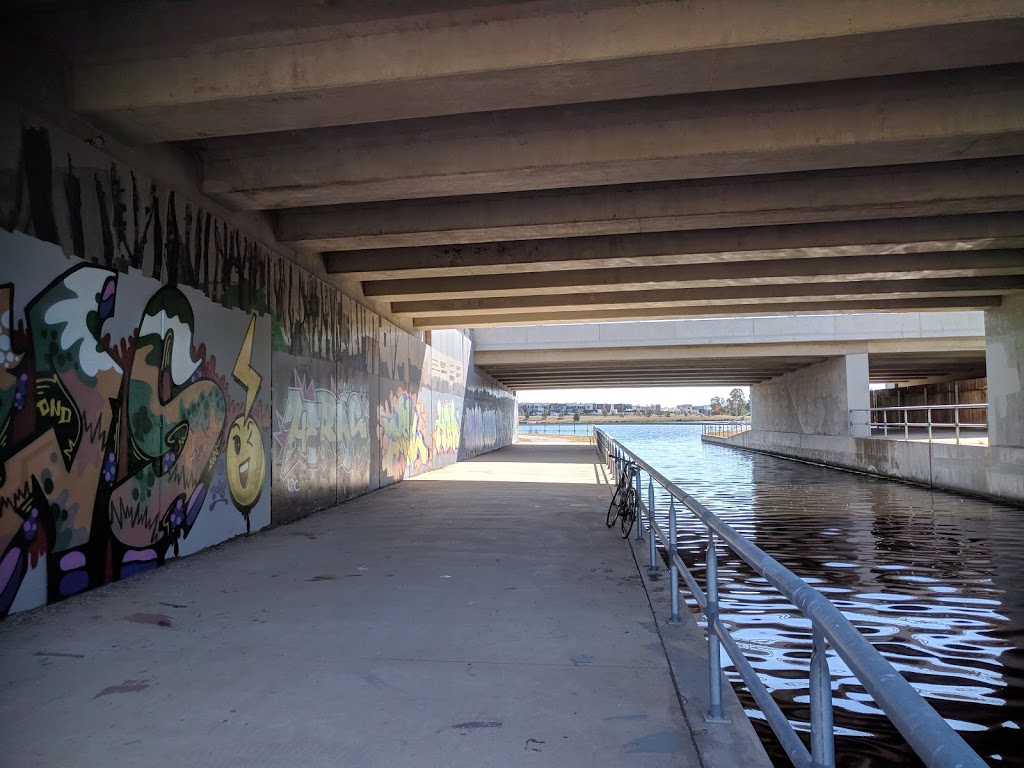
x,y
968,436
438,622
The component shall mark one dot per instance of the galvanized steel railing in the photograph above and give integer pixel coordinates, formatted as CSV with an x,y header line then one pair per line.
x,y
931,737
888,419
726,428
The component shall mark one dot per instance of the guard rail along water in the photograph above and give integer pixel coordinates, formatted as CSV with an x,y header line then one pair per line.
x,y
726,428
886,419
931,737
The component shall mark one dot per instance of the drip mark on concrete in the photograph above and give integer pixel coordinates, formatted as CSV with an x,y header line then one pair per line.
x,y
57,653
475,724
582,660
534,741
327,577
128,686
640,716
662,743
156,619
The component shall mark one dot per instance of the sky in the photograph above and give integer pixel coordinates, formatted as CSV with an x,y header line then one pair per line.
x,y
664,396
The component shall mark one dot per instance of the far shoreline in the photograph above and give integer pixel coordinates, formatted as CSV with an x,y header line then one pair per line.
x,y
605,420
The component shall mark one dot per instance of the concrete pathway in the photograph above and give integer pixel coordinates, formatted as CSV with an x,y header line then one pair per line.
x,y
481,615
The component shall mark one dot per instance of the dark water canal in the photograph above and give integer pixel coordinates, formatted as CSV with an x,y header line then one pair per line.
x,y
935,581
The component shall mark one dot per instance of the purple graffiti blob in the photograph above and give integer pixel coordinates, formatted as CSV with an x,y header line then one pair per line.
x,y
167,462
177,514
110,468
19,391
31,525
10,566
137,561
139,556
73,583
106,299
72,560
195,503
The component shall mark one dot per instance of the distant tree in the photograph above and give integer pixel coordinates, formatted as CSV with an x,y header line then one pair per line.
x,y
575,415
737,402
717,405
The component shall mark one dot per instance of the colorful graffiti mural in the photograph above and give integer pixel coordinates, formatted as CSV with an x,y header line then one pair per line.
x,y
321,438
447,427
109,442
167,382
404,435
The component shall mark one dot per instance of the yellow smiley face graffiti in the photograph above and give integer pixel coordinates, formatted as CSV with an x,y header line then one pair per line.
x,y
246,463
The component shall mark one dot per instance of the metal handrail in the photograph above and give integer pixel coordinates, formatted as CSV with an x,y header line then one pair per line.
x,y
721,427
885,424
931,737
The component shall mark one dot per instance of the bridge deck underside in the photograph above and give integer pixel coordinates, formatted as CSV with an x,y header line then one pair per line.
x,y
883,368
487,164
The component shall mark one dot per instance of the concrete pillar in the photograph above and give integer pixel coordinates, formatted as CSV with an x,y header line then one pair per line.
x,y
1004,359
858,393
815,400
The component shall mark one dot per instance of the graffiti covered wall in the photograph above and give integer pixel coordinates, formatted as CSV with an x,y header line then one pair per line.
x,y
167,383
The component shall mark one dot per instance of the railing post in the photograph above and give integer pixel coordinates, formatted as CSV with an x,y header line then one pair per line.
x,y
715,713
822,745
956,418
653,537
673,569
929,412
906,424
639,510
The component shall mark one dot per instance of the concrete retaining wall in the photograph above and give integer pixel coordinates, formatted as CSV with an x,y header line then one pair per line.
x,y
995,472
168,382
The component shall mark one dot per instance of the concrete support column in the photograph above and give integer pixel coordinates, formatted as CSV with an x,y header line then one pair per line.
x,y
815,400
1004,359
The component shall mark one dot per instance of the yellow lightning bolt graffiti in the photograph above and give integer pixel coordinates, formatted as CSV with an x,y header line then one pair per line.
x,y
243,370
245,460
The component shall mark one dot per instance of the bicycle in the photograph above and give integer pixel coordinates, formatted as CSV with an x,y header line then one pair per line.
x,y
623,506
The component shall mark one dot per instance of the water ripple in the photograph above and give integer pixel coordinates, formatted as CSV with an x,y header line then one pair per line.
x,y
933,580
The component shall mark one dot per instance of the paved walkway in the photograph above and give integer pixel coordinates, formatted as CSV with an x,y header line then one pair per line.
x,y
480,615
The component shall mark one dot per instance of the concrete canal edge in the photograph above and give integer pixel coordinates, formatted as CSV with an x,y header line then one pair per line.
x,y
995,473
719,745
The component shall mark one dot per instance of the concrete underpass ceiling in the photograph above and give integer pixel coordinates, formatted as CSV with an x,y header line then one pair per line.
x,y
714,370
470,164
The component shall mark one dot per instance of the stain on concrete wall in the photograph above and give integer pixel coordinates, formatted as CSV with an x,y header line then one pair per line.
x,y
167,383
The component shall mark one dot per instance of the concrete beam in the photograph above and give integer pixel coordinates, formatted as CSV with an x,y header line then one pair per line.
x,y
546,353
714,274
731,295
948,233
917,118
748,310
726,337
759,365
931,189
411,63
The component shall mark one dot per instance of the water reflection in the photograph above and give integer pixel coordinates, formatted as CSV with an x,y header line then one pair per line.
x,y
932,580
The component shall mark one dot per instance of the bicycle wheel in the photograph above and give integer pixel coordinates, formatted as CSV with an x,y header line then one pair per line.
x,y
613,509
628,513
